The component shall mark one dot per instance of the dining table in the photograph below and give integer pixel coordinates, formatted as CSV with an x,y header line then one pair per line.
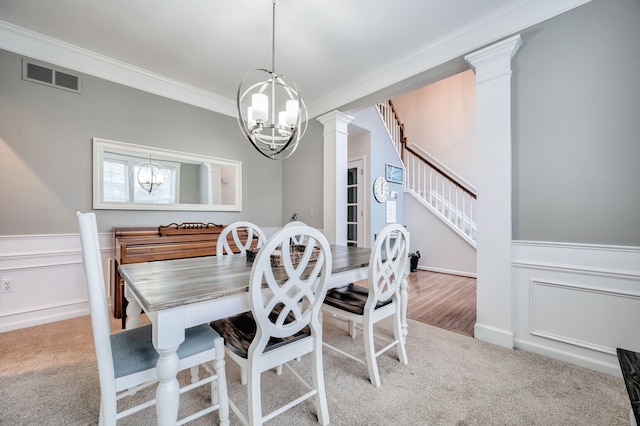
x,y
182,293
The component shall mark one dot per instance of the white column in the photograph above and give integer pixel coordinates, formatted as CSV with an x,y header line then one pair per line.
x,y
335,176
492,66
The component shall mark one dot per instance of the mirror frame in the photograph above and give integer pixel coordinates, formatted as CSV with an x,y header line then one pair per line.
x,y
100,146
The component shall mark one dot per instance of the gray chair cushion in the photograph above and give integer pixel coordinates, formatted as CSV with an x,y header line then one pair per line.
x,y
133,350
351,298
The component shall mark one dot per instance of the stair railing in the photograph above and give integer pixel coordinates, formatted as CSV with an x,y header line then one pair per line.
x,y
394,125
439,189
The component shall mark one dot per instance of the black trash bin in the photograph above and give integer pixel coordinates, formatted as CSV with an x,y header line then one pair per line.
x,y
413,257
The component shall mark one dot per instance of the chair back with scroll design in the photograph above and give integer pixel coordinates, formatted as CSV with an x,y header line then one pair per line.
x,y
244,235
296,239
284,322
381,298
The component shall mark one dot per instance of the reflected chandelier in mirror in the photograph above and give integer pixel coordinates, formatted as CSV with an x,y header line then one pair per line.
x,y
138,177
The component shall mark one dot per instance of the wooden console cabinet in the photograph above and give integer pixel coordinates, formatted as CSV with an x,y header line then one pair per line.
x,y
146,244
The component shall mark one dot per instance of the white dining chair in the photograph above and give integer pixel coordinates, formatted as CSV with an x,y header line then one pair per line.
x,y
365,306
296,239
127,360
243,234
284,321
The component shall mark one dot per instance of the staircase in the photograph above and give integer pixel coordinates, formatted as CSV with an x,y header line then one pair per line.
x,y
438,188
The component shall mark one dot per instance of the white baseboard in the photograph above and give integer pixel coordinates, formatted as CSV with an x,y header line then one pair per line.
x,y
447,271
493,335
611,367
42,316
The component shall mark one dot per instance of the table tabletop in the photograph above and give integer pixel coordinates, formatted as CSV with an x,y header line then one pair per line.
x,y
170,283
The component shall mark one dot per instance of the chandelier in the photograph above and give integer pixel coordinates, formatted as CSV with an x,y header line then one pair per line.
x,y
150,176
271,113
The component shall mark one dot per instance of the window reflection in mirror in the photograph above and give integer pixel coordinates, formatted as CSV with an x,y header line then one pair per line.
x,y
128,176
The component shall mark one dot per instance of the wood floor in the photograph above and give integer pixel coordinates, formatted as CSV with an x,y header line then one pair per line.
x,y
442,300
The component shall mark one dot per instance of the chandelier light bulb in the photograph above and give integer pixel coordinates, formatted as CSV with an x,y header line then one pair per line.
x,y
292,112
251,122
260,107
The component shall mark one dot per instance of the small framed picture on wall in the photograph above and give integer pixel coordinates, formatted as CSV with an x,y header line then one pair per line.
x,y
395,174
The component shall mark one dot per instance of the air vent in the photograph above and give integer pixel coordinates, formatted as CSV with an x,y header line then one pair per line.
x,y
49,75
68,81
40,74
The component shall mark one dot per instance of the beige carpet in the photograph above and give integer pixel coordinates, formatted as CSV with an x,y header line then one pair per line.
x,y
48,376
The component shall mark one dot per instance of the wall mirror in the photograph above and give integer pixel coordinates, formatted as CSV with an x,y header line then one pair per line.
x,y
138,177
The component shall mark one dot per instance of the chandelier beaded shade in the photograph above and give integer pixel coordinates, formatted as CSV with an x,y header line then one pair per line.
x,y
271,113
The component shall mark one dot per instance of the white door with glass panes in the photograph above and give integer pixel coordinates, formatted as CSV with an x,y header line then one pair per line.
x,y
355,203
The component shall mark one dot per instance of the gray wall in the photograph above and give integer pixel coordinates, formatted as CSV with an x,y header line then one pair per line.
x,y
302,178
576,127
46,155
576,149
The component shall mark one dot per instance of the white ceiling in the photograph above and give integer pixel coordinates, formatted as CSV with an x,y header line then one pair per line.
x,y
337,51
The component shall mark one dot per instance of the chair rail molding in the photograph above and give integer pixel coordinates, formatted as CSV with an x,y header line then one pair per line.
x,y
48,278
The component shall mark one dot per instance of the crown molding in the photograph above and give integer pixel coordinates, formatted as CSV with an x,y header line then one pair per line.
x,y
504,22
38,46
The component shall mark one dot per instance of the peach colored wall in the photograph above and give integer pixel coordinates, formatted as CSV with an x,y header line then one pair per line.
x,y
441,119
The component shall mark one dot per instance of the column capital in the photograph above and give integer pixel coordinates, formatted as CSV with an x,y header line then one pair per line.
x,y
335,120
505,48
494,61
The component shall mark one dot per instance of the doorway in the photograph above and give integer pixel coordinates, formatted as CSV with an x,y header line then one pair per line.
x,y
355,203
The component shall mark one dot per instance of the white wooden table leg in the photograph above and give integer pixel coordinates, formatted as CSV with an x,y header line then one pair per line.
x,y
133,310
168,334
168,392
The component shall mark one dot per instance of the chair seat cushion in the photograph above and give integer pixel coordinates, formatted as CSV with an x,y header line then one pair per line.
x,y
133,349
238,332
351,298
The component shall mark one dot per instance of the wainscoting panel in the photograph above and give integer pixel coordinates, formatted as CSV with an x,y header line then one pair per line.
x,y
49,283
48,278
576,303
573,315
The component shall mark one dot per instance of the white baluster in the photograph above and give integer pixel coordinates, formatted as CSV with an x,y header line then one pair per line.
x,y
449,200
464,212
470,215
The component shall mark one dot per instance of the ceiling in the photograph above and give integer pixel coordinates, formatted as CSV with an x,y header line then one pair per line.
x,y
197,51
